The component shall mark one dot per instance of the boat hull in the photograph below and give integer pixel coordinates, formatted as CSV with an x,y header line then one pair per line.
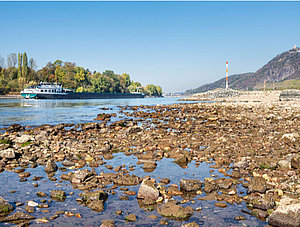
x,y
84,95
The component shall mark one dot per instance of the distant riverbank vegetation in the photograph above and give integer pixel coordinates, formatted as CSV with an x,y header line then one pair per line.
x,y
17,72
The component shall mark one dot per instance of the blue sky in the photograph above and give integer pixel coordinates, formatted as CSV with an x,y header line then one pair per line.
x,y
178,45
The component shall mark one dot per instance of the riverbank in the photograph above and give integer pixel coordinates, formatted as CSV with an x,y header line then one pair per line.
x,y
222,163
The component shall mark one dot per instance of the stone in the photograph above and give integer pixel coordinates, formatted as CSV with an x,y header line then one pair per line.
x,y
191,224
222,205
190,185
107,223
58,195
94,200
8,153
17,217
287,213
258,184
23,139
295,162
80,176
284,164
51,167
242,164
171,210
148,190
5,207
290,94
130,217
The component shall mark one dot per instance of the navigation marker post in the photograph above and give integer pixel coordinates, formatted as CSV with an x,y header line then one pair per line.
x,y
227,75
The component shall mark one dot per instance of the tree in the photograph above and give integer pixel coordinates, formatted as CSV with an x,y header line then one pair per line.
x,y
25,66
11,60
32,63
20,65
2,62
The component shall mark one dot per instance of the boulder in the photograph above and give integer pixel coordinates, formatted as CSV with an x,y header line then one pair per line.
x,y
173,211
257,184
148,190
287,213
51,167
190,185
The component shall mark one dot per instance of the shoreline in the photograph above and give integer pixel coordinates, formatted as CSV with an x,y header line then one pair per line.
x,y
253,144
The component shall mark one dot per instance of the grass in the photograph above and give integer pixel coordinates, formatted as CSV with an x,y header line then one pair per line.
x,y
26,144
286,84
5,141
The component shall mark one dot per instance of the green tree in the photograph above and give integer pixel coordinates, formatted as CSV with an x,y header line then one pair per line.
x,y
25,66
20,65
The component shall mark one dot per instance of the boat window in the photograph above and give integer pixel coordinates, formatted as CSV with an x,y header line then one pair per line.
x,y
42,90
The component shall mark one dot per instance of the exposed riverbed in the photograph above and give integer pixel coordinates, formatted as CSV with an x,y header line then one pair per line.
x,y
231,152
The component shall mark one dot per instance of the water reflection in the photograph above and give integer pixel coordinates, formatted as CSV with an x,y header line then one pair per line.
x,y
37,112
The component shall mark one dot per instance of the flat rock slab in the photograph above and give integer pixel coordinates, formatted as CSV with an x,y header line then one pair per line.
x,y
287,214
173,211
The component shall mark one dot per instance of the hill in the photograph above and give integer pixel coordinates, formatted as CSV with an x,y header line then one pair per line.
x,y
284,69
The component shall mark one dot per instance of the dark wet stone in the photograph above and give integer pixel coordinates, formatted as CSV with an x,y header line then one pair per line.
x,y
171,210
165,181
17,217
96,205
190,185
257,184
29,209
58,195
107,223
51,167
130,217
5,207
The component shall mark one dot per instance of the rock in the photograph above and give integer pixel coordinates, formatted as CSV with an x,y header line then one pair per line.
x,y
242,164
295,162
130,217
181,160
29,209
263,202
126,180
222,205
291,94
32,203
149,166
192,224
95,200
96,205
51,167
171,210
284,164
68,163
42,220
8,153
41,194
23,139
190,185
257,184
240,218
58,195
165,181
16,217
287,213
148,190
5,207
15,128
80,176
107,223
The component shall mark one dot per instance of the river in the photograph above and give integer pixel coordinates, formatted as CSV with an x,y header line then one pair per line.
x,y
37,112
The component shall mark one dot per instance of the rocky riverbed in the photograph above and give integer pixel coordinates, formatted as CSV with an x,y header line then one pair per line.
x,y
220,164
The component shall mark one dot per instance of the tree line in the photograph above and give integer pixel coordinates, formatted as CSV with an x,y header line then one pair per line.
x,y
16,73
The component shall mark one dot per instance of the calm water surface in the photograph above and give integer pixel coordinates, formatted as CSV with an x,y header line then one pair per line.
x,y
38,112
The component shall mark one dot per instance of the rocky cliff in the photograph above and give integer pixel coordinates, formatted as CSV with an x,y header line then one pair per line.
x,y
285,66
